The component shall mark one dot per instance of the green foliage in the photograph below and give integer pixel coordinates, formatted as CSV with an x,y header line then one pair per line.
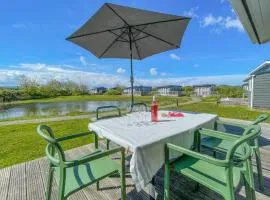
x,y
21,143
30,89
187,90
115,91
230,91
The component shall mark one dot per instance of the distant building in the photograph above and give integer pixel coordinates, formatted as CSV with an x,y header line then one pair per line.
x,y
204,90
245,86
98,90
138,91
258,89
169,90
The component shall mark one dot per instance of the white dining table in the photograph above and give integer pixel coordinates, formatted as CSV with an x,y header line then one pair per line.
x,y
146,139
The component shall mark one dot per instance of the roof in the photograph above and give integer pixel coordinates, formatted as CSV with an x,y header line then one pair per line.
x,y
204,85
139,87
261,69
169,86
96,88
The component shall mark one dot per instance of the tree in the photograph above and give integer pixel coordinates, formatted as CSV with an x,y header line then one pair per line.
x,y
188,90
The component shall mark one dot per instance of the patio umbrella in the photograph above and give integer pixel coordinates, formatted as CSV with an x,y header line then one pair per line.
x,y
122,32
255,17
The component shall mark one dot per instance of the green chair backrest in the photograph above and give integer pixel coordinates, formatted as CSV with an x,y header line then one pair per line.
x,y
54,151
110,108
251,132
260,119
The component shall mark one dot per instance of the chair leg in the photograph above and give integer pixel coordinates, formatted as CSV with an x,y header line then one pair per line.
x,y
250,180
49,184
61,186
167,182
123,176
98,185
259,169
107,144
247,189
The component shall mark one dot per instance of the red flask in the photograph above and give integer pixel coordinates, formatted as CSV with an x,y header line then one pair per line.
x,y
154,110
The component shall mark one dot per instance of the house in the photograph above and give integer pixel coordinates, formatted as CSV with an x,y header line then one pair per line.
x,y
258,89
245,86
169,90
138,91
98,90
204,90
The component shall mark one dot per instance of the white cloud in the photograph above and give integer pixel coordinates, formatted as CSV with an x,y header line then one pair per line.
x,y
192,12
174,56
153,71
85,63
219,23
83,60
163,74
223,1
10,77
219,80
18,26
120,70
211,20
233,23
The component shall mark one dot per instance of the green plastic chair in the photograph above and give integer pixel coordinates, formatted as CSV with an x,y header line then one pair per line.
x,y
222,146
221,176
114,112
73,175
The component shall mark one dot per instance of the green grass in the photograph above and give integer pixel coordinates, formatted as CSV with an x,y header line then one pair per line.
x,y
235,112
21,143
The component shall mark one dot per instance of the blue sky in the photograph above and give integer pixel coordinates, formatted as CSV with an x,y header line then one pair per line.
x,y
215,47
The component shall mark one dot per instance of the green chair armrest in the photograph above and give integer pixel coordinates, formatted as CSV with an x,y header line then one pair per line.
x,y
72,136
232,124
95,156
218,134
206,158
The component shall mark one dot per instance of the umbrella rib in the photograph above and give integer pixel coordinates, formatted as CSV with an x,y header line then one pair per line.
x,y
83,35
117,14
136,46
141,38
124,40
163,21
111,44
158,38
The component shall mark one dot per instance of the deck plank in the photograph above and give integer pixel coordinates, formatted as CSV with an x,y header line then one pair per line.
x,y
17,185
34,182
4,183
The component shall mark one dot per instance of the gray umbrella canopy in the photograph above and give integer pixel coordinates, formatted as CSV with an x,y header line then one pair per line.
x,y
122,32
255,17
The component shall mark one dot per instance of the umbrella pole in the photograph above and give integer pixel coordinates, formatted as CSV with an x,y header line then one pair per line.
x,y
131,68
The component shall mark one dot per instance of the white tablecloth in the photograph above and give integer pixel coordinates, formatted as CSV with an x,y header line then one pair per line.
x,y
146,139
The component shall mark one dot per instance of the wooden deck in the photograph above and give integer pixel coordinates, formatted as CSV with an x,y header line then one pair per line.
x,y
27,181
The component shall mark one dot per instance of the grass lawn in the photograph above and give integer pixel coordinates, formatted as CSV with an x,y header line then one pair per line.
x,y
21,143
235,112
